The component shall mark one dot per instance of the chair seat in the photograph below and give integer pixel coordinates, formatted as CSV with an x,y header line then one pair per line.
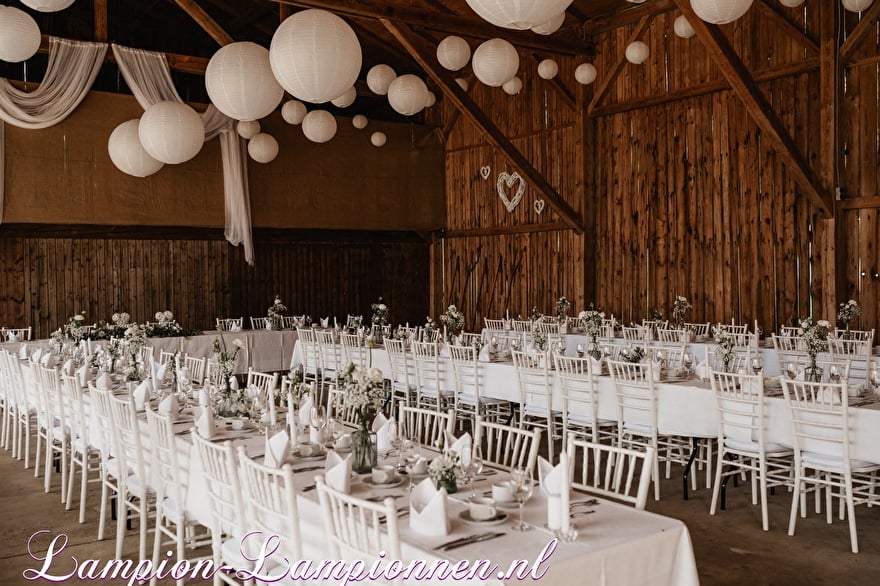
x,y
753,447
638,428
432,392
134,485
112,468
78,445
402,386
584,419
834,463
172,511
472,400
537,411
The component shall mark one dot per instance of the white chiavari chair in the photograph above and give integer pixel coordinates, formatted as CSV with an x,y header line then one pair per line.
x,y
434,390
523,326
355,350
146,355
6,398
288,322
580,400
470,339
57,427
429,335
856,351
547,327
83,453
427,426
332,357
165,356
403,376
733,328
196,368
506,446
672,336
469,400
99,403
864,335
260,323
636,333
494,325
671,354
611,471
337,409
230,324
15,334
701,330
535,395
311,354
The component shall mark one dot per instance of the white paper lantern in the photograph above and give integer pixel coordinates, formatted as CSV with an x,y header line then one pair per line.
x,y
240,82
247,129
379,77
359,121
171,132
720,11
319,126
495,62
293,111
431,99
346,99
637,52
518,14
857,5
453,53
512,86
315,55
462,83
407,94
585,73
378,139
19,35
263,148
47,5
551,26
548,68
683,28
127,152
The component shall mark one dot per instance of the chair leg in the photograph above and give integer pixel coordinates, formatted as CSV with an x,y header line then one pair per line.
x,y
850,508
70,481
105,497
687,469
829,507
717,488
121,521
795,498
765,521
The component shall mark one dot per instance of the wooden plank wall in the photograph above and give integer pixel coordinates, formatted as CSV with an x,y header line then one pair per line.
x,y
44,280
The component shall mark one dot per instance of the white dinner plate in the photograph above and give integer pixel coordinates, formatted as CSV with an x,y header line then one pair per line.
x,y
312,458
498,519
368,480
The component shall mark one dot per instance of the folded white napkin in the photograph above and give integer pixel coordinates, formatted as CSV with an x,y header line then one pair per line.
x,y
427,509
381,427
67,367
204,397
46,359
168,406
484,354
702,369
325,322
337,471
23,352
233,383
555,485
35,357
11,337
82,372
460,445
596,364
141,394
656,369
205,424
159,373
103,381
305,409
277,448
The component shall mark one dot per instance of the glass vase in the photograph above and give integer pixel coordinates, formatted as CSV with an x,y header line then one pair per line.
x,y
447,482
813,373
364,453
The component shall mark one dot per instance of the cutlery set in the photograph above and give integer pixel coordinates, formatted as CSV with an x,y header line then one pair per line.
x,y
461,542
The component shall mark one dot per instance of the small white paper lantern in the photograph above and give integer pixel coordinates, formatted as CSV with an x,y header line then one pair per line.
x,y
720,11
19,35
247,129
315,55
378,139
293,111
637,52
263,148
512,86
127,152
379,77
453,53
462,83
47,5
519,14
585,73
359,121
683,28
857,5
407,94
431,99
551,26
495,62
171,132
548,68
319,126
240,82
346,99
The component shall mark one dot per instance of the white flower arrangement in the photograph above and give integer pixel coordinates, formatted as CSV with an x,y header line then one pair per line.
x,y
453,319
536,315
539,340
726,342
679,308
225,359
849,311
380,313
430,324
443,469
165,325
120,319
813,336
275,312
75,328
562,306
632,354
592,321
364,393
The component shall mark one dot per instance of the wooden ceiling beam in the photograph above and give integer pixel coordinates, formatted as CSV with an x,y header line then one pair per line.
x,y
560,88
204,20
788,27
612,75
469,109
101,34
449,23
744,85
627,16
177,62
861,31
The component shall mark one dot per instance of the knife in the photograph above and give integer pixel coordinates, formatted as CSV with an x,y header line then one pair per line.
x,y
478,539
461,539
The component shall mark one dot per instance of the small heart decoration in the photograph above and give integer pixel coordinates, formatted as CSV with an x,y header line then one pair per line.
x,y
485,171
506,181
539,206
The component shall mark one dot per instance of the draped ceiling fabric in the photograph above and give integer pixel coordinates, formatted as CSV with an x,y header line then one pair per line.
x,y
149,78
72,68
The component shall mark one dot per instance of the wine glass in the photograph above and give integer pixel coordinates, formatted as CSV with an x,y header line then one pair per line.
x,y
834,373
580,350
521,486
472,458
412,453
757,364
514,344
394,437
791,370
318,419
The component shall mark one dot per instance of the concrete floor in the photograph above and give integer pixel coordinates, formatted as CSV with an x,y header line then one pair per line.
x,y
730,547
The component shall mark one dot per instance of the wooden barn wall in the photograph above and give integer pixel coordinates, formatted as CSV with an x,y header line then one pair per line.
x,y
496,261
45,279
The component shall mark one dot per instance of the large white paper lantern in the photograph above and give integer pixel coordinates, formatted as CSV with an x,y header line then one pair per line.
x,y
512,86
171,132
585,73
518,14
247,129
720,11
462,83
637,52
683,28
47,5
315,55
360,121
453,53
551,26
857,5
346,99
240,82
293,111
548,68
19,35
431,99
319,126
378,139
407,94
127,152
495,62
263,148
379,77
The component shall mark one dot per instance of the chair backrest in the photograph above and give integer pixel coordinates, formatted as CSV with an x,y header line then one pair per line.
x,y
844,368
739,400
270,495
636,333
288,322
53,396
496,325
533,378
857,353
470,339
264,381
609,471
146,356
196,368
547,327
636,396
311,353
163,459
507,446
579,385
467,371
230,324
698,329
789,348
15,334
742,358
864,335
352,322
523,326
429,335
672,354
402,368
355,350
429,373
788,331
337,409
220,466
356,528
819,418
506,341
671,335
330,351
260,323
165,356
425,425
77,419
127,437
99,407
734,328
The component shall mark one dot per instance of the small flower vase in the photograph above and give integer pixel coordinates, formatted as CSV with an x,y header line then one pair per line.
x,y
847,335
447,482
378,334
727,363
813,373
364,453
594,350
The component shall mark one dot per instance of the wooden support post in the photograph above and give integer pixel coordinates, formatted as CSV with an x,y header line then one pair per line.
x,y
101,34
611,76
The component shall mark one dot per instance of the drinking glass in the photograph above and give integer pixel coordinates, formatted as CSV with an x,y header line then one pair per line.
x,y
318,419
394,437
521,486
412,453
687,360
580,350
474,465
757,364
834,373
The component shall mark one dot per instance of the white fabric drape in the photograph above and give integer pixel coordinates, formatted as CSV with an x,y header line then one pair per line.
x,y
149,78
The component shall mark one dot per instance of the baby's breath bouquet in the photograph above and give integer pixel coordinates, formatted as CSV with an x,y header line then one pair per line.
x,y
592,321
231,401
75,328
364,392
562,307
726,342
814,336
536,315
443,470
453,319
430,324
275,313
165,326
847,313
679,308
380,313
633,354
